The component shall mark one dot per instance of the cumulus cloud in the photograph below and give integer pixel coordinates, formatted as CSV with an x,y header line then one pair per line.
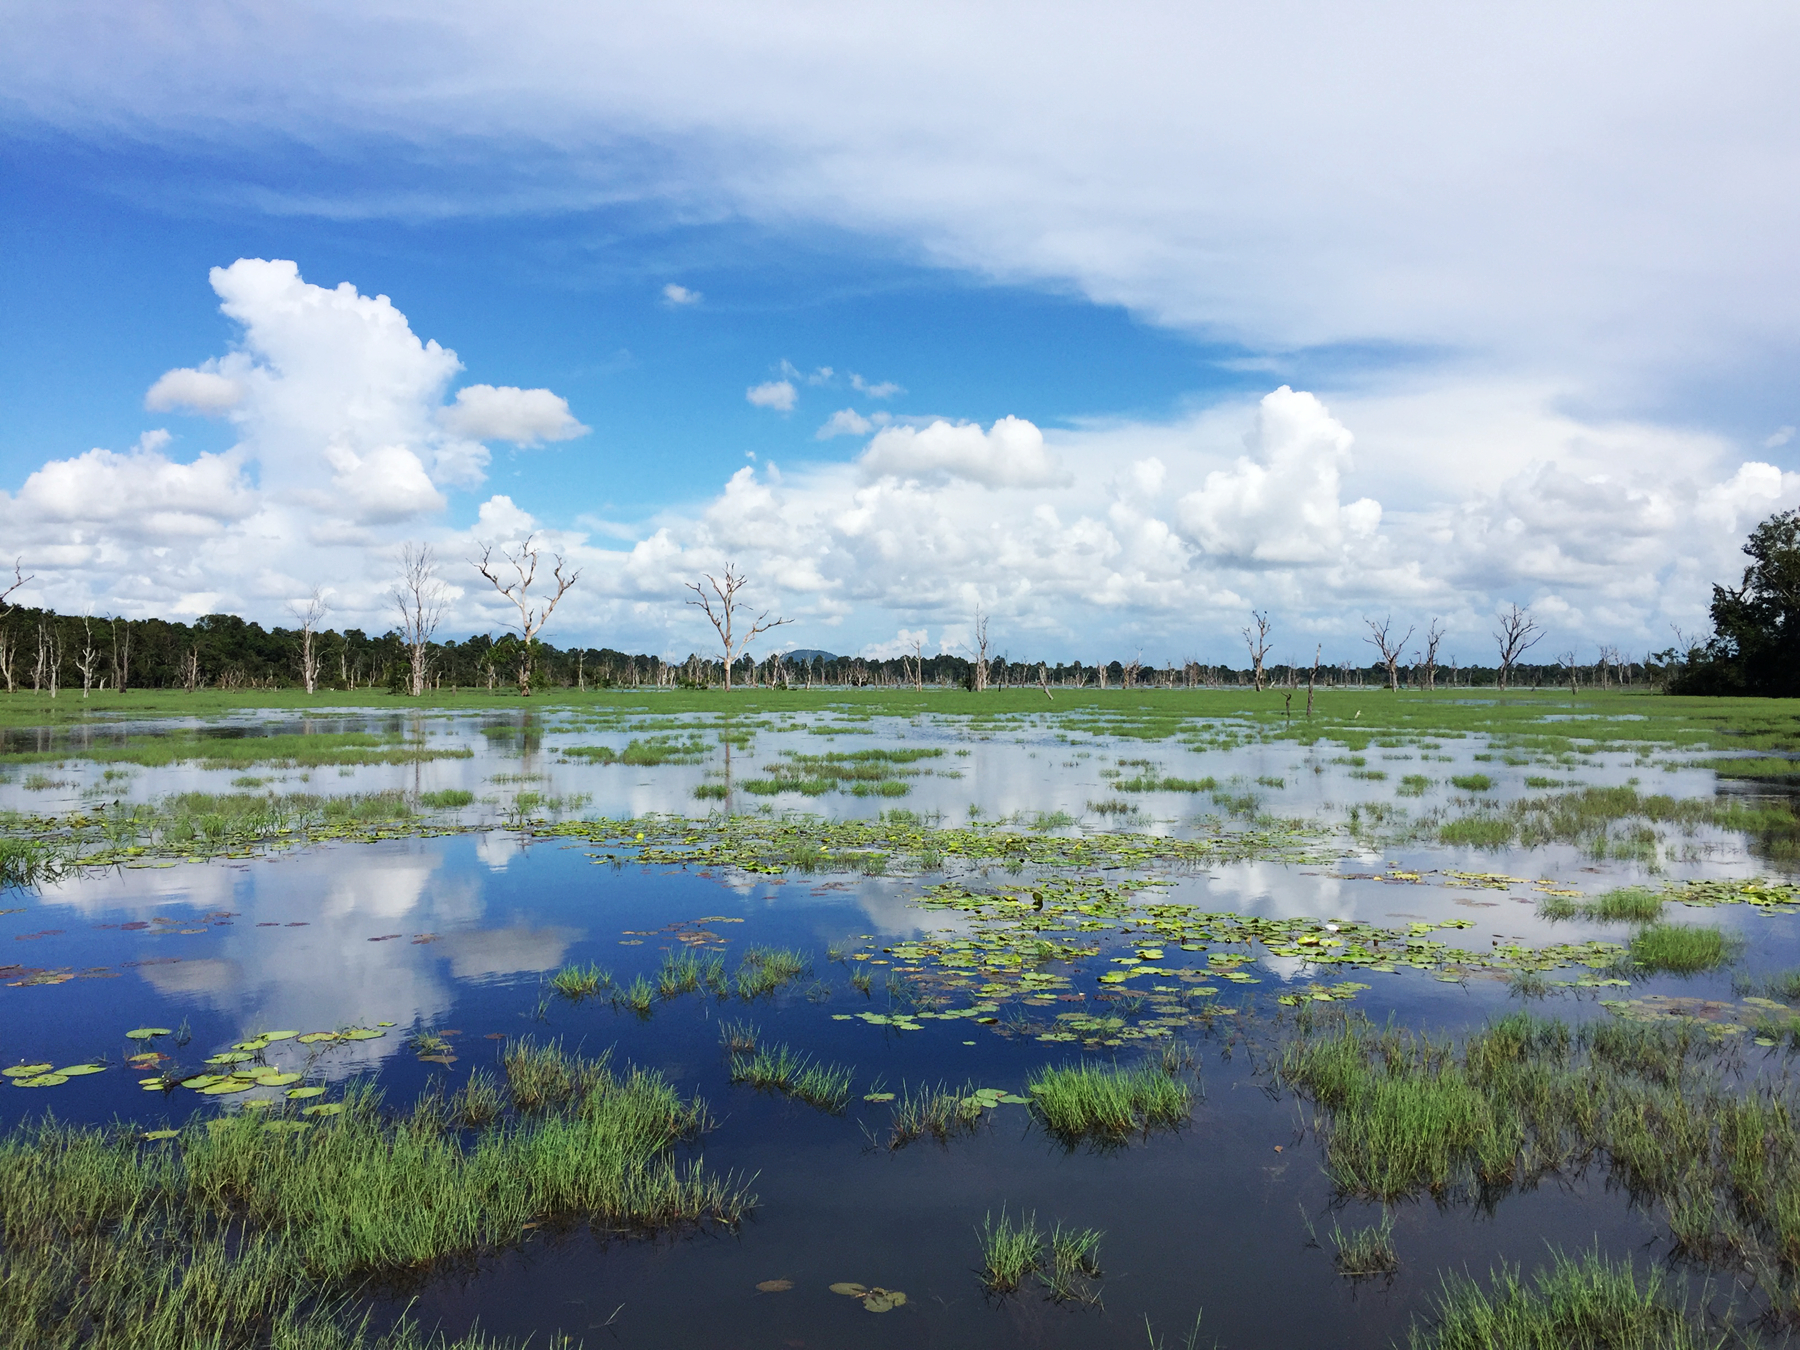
x,y
884,389
524,416
844,422
1280,503
676,295
199,391
1780,437
1009,454
779,395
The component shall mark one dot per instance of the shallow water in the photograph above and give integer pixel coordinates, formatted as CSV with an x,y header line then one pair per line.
x,y
458,934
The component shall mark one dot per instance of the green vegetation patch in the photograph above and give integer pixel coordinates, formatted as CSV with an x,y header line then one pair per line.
x,y
1087,1101
255,1225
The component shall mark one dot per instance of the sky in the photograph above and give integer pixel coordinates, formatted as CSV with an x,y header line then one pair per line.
x,y
1113,323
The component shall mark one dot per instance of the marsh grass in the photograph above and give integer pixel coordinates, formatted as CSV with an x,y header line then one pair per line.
x,y
639,996
1584,1303
1074,1263
1365,1252
740,1038
1011,1250
237,1233
1680,949
764,970
1782,984
778,1068
285,750
937,1112
576,982
685,972
1626,904
1086,1101
447,799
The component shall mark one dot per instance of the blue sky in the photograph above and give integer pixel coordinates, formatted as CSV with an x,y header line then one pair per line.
x,y
1289,310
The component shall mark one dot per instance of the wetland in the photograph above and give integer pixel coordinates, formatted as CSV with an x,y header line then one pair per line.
x,y
926,1018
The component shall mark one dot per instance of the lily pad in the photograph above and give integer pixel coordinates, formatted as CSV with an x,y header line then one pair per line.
x,y
854,1290
152,1085
296,1094
25,1070
80,1070
878,1096
882,1300
42,1080
278,1035
277,1079
774,1286
314,1037
322,1109
145,1033
161,1134
231,1057
362,1034
226,1086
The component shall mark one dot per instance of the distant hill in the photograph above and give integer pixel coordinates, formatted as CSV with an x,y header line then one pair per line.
x,y
807,654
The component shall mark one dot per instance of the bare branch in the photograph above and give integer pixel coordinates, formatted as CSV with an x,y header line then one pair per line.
x,y
1390,647
309,616
720,609
524,565
1518,632
19,579
1256,637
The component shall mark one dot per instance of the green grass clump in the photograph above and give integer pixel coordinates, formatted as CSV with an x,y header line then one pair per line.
x,y
767,969
576,982
1413,785
245,1231
639,996
1478,832
779,1069
1782,984
1679,948
1626,904
1154,783
1074,1260
716,792
1472,782
937,1112
1588,1303
684,972
1363,1252
1010,1251
1086,1101
446,799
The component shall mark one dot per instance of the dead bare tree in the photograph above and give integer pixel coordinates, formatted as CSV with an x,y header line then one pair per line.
x,y
1433,636
421,599
1381,637
919,663
9,651
308,616
981,650
1567,662
1518,633
1313,679
48,673
19,579
121,653
89,659
1044,681
721,609
1256,638
190,670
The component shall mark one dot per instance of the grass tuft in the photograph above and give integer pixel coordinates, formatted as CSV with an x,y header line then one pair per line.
x,y
1680,949
1010,1251
1086,1101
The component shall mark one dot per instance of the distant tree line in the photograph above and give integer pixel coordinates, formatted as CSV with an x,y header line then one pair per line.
x,y
43,651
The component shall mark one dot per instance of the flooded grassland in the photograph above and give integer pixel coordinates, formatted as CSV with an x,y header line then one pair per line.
x,y
916,1018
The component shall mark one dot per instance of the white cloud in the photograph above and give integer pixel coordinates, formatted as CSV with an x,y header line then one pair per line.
x,y
676,295
1010,453
777,394
524,416
1781,437
885,389
1281,503
201,391
844,422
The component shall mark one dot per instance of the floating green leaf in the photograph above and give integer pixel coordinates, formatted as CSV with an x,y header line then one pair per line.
x,y
229,1085
231,1057
881,1300
298,1093
878,1096
42,1080
854,1290
323,1109
277,1079
145,1033
361,1034
314,1037
161,1134
80,1070
25,1070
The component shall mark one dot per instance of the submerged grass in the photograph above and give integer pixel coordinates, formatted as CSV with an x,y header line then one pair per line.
x,y
1364,1252
1626,904
247,1231
1086,1101
936,1112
